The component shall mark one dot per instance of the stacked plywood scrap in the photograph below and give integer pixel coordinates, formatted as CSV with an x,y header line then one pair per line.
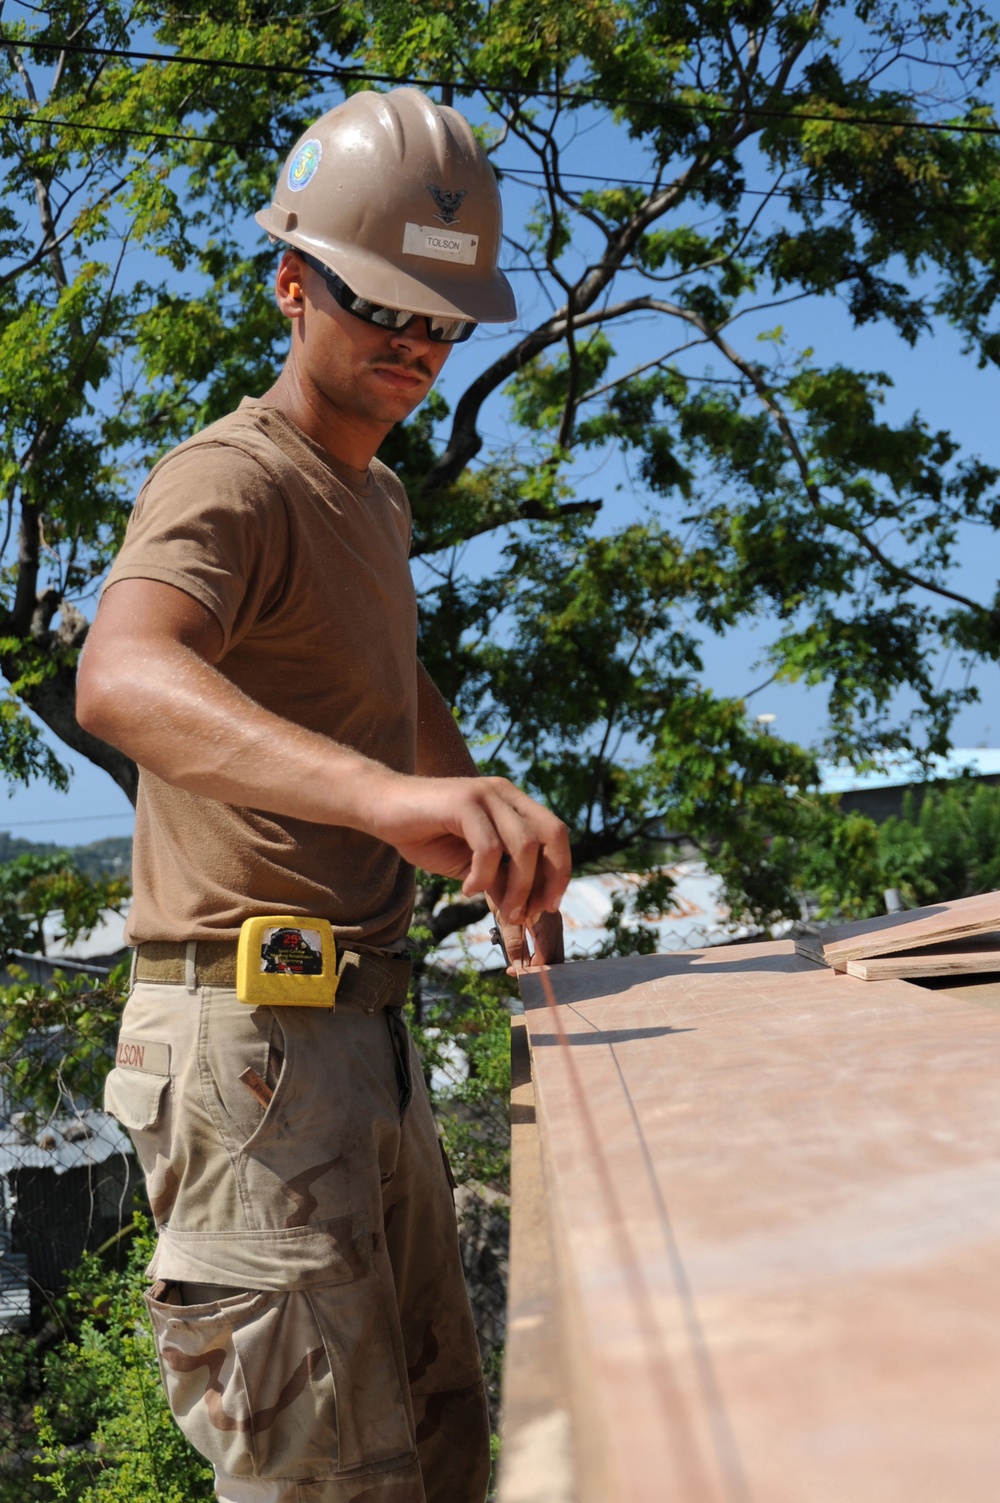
x,y
772,1194
948,939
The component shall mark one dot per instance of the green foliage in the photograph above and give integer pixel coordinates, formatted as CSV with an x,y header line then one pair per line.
x,y
942,846
463,1037
109,857
24,755
625,938
21,1383
771,154
85,1418
105,1434
57,1039
837,863
947,848
460,1022
35,887
78,1017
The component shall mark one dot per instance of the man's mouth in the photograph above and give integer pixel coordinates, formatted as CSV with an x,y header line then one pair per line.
x,y
402,375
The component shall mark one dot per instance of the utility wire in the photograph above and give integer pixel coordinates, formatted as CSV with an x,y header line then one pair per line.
x,y
64,819
332,70
636,182
125,130
565,96
30,118
503,172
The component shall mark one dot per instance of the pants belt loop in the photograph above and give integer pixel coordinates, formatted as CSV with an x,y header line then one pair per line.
x,y
190,970
131,970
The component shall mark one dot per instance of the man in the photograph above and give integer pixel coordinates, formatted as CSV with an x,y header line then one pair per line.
x,y
255,653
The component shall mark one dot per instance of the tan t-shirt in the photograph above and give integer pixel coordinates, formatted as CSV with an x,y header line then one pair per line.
x,y
305,565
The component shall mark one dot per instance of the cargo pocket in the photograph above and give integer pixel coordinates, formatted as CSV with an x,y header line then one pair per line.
x,y
140,1100
374,1421
135,1098
249,1382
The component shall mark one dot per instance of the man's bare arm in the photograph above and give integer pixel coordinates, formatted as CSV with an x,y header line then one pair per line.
x,y
148,684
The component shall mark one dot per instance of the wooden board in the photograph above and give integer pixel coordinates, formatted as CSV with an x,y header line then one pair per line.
x,y
939,924
967,957
775,1193
538,1462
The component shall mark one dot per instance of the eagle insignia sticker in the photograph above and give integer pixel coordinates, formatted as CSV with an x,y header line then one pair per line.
x,y
302,167
448,204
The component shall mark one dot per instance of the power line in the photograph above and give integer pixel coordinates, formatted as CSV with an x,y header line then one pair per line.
x,y
635,182
124,130
562,95
332,70
72,819
140,133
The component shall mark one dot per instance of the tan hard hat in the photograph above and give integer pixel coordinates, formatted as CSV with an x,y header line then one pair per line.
x,y
395,195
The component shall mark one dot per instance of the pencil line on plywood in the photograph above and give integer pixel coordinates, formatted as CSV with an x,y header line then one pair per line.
x,y
698,1488
726,1448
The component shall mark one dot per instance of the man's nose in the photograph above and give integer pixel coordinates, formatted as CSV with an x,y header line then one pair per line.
x,y
414,337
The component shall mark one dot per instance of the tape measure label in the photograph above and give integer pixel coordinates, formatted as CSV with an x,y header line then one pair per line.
x,y
291,952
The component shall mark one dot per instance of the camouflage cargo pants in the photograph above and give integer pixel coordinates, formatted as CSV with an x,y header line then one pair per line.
x,y
309,1308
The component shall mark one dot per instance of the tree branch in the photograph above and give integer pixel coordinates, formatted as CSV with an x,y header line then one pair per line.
x,y
766,396
465,441
456,915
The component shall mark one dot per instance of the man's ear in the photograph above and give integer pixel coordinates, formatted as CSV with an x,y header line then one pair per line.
x,y
288,285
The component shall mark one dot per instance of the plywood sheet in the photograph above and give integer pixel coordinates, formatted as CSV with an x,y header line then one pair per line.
x,y
938,924
968,957
777,1194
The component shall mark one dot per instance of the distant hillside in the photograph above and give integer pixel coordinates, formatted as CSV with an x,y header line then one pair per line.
x,y
111,857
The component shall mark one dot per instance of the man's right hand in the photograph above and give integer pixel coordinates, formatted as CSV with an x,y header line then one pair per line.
x,y
482,831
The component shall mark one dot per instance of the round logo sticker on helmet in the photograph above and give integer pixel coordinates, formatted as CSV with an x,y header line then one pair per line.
x,y
302,167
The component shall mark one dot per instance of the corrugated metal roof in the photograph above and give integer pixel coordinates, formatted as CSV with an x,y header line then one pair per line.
x,y
695,918
85,1138
900,772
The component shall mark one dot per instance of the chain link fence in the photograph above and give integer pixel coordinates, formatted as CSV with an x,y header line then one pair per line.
x,y
68,1182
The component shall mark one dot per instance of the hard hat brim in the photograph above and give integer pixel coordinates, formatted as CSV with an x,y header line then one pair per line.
x,y
432,288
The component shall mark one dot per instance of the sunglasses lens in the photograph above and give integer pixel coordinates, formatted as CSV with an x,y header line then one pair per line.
x,y
374,313
449,330
441,330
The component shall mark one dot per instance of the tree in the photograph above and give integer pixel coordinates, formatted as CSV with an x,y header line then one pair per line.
x,y
778,151
34,889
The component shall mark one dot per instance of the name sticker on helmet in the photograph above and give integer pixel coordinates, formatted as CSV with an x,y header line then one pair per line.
x,y
302,167
441,245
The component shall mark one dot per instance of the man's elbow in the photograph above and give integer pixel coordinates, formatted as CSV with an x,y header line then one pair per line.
x,y
99,698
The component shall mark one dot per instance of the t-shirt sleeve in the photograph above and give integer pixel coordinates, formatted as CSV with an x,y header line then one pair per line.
x,y
395,490
210,520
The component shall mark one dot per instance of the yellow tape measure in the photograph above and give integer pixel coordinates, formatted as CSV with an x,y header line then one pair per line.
x,y
286,961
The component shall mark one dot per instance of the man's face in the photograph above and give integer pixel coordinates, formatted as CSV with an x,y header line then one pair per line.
x,y
372,375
